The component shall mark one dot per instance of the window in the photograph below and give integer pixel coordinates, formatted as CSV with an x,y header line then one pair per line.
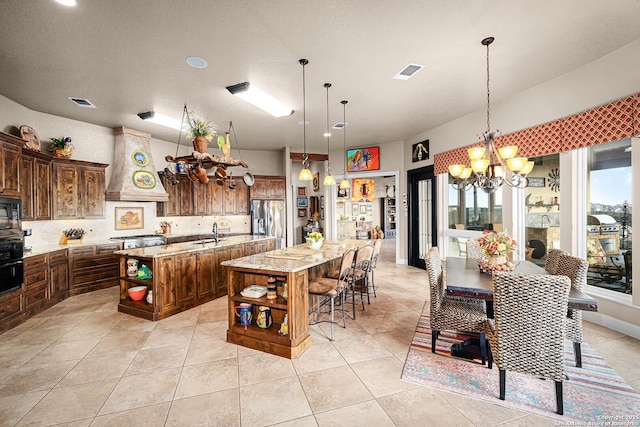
x,y
474,208
609,215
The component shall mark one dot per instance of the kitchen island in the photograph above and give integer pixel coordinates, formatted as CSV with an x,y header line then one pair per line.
x,y
181,276
291,267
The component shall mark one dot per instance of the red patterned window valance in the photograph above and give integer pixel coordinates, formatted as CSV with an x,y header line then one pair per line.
x,y
611,122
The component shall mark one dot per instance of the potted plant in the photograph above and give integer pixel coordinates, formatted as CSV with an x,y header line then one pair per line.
x,y
61,147
314,240
200,132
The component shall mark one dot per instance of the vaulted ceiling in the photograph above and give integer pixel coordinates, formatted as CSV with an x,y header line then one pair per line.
x,y
128,57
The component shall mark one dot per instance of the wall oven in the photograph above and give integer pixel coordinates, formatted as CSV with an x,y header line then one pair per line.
x,y
11,245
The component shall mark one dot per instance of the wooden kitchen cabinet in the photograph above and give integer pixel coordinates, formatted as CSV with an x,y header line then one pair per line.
x,y
236,201
93,267
35,186
268,187
9,170
181,281
172,206
11,309
79,190
36,277
58,275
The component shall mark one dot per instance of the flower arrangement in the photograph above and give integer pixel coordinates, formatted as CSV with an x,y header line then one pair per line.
x,y
314,240
314,236
494,243
62,146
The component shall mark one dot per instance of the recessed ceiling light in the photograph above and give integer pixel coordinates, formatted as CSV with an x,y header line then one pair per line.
x,y
70,3
407,72
196,62
81,102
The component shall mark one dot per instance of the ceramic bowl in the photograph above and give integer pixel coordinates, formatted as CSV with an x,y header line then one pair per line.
x,y
137,292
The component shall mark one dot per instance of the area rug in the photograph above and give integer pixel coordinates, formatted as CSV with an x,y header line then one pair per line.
x,y
594,393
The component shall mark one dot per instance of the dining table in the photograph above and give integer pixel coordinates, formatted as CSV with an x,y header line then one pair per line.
x,y
464,279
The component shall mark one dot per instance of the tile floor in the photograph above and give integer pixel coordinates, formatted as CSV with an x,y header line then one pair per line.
x,y
82,363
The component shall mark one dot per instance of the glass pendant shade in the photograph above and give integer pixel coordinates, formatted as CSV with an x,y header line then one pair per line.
x,y
476,153
508,152
528,167
516,164
305,175
466,173
456,170
479,165
329,180
344,184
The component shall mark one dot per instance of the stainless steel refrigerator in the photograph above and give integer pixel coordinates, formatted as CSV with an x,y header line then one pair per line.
x,y
268,218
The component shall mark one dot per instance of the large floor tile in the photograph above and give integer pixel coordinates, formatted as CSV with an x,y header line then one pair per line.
x,y
261,367
35,377
93,369
333,388
319,356
148,416
207,378
382,376
363,414
210,350
149,360
213,409
273,402
361,348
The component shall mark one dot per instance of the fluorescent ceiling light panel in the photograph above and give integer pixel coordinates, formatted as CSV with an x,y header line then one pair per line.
x,y
258,98
69,3
409,71
81,102
161,119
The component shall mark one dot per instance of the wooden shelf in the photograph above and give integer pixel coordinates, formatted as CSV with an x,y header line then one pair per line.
x,y
543,205
278,303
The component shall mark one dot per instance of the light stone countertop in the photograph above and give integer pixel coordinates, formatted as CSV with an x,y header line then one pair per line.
x,y
43,249
296,258
185,247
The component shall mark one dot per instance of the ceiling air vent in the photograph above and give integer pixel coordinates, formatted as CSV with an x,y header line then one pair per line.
x,y
81,102
339,125
408,72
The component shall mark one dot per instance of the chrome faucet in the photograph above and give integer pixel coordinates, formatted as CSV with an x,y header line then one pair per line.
x,y
542,220
215,231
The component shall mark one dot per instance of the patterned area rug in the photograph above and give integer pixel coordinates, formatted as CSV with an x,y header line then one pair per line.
x,y
594,393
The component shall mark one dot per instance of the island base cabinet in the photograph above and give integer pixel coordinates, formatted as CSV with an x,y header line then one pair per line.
x,y
295,307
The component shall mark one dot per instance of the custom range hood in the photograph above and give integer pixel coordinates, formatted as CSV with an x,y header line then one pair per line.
x,y
134,176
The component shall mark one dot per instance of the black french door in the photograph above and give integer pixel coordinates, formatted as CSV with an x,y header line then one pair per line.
x,y
422,224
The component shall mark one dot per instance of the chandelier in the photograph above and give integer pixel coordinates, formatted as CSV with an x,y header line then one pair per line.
x,y
491,167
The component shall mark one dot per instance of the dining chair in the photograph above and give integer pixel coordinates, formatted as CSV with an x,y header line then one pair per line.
x,y
576,270
473,250
526,334
330,288
551,263
452,313
377,245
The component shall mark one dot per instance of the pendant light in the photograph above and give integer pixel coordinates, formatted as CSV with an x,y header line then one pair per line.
x,y
328,180
305,173
344,184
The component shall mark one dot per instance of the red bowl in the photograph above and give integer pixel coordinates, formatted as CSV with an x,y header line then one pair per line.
x,y
137,293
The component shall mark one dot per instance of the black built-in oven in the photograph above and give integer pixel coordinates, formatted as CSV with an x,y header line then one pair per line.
x,y
11,245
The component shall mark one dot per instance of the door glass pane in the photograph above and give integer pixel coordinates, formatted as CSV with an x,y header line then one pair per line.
x,y
425,217
609,215
542,203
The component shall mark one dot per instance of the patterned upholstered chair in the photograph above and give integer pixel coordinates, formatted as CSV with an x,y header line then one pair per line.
x,y
526,334
474,251
551,263
325,288
576,270
451,313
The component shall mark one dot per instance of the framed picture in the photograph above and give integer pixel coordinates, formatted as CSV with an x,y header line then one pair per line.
x,y
363,159
363,209
316,181
536,182
302,191
363,189
355,209
302,213
302,202
343,192
420,151
129,218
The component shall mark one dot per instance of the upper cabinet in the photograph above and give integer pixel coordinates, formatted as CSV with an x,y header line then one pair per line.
x,y
9,170
35,186
189,198
78,190
268,187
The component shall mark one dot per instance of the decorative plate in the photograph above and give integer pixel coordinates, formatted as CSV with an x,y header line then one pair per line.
x,y
29,134
140,158
144,179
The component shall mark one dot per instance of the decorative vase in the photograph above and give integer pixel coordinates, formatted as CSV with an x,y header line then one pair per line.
x,y
132,267
497,259
150,297
315,244
200,144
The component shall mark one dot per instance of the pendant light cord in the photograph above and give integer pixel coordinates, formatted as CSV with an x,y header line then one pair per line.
x,y
488,99
184,113
344,136
235,138
328,85
304,62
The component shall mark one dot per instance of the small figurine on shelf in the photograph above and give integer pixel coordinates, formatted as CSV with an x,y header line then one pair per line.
x,y
144,272
284,326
